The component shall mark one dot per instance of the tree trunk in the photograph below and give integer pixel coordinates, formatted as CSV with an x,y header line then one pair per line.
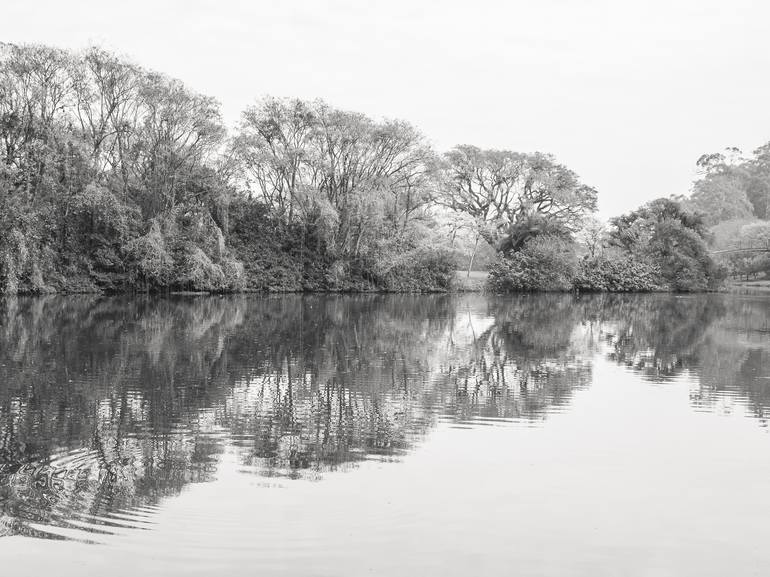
x,y
473,255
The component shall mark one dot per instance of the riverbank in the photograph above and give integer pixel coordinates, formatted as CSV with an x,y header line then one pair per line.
x,y
461,282
754,286
476,281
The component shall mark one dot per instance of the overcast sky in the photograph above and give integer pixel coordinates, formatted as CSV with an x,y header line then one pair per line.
x,y
627,94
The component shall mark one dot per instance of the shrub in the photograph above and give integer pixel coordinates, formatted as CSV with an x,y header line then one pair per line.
x,y
671,237
417,270
196,271
682,256
149,260
545,263
280,256
616,273
13,254
276,256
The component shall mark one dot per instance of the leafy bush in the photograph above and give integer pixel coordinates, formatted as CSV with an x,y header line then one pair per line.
x,y
196,271
149,260
616,273
545,263
276,256
550,264
183,251
682,256
665,233
13,256
417,270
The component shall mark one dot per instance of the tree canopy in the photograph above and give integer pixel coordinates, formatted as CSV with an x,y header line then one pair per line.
x,y
733,187
667,234
513,196
114,177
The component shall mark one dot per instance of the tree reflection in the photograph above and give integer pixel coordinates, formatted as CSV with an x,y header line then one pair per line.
x,y
526,362
100,404
722,341
734,358
658,335
108,405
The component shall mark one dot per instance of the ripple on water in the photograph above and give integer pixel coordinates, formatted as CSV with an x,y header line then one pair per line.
x,y
74,495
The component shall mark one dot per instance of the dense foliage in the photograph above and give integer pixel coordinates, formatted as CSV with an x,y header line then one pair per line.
x,y
661,246
733,187
107,177
114,178
615,272
544,263
733,195
666,235
513,196
356,193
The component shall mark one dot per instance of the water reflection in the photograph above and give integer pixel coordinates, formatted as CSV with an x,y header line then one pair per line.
x,y
107,405
722,341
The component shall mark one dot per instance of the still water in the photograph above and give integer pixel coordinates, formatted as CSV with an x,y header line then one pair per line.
x,y
385,435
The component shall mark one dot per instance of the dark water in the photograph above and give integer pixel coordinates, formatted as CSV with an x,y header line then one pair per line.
x,y
385,435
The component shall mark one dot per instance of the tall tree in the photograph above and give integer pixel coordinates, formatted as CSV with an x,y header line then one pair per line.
x,y
732,186
666,234
721,196
340,171
758,181
513,196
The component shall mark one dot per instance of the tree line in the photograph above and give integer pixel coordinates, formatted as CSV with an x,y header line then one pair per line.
x,y
733,194
114,178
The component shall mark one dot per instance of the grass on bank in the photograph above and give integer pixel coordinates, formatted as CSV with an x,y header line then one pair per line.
x,y
476,281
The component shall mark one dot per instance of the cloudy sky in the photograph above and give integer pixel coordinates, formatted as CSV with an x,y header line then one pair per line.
x,y
627,94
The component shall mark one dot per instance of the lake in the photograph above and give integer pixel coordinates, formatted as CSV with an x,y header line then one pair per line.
x,y
385,435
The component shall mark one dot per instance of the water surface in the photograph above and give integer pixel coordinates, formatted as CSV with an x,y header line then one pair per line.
x,y
385,435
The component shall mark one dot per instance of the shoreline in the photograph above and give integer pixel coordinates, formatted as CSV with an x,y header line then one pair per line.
x,y
453,291
462,283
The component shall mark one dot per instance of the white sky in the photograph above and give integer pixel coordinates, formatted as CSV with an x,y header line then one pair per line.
x,y
627,94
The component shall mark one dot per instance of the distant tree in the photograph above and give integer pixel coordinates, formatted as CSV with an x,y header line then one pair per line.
x,y
748,235
360,179
719,162
757,181
274,147
592,236
634,230
720,197
514,196
732,186
667,235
